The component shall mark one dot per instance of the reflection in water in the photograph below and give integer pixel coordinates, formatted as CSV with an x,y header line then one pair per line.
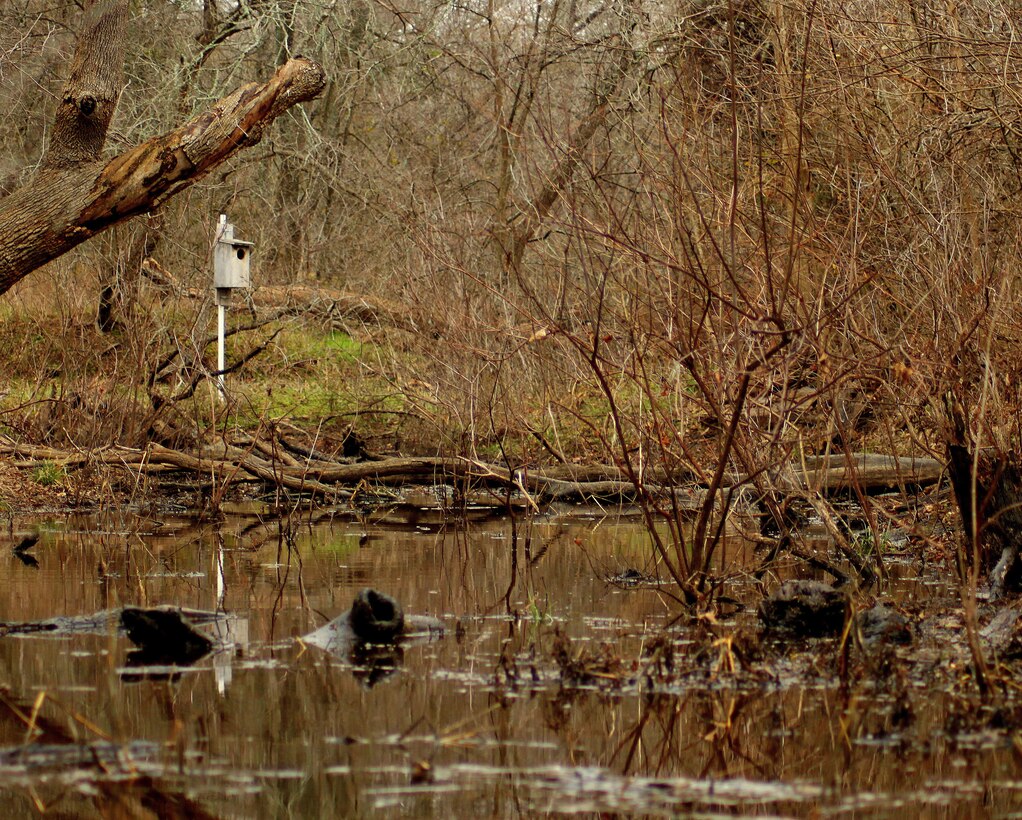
x,y
27,559
553,693
375,662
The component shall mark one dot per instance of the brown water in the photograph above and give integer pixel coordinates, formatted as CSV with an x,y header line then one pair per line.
x,y
481,723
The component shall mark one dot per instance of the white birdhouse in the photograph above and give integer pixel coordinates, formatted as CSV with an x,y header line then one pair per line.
x,y
231,260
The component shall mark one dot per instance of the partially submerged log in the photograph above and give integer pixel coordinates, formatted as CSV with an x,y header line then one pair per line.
x,y
882,625
164,637
1003,635
374,618
371,636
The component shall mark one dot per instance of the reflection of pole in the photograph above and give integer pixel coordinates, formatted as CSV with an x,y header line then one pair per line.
x,y
222,659
221,586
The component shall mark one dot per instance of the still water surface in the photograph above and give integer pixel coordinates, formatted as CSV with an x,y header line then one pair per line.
x,y
480,723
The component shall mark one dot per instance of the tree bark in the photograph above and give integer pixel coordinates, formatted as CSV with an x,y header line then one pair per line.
x,y
76,194
92,89
516,239
138,243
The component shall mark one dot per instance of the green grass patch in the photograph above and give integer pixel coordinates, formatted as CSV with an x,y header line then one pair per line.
x,y
48,474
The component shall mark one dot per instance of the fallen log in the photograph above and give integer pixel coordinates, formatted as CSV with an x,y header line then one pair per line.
x,y
331,305
805,608
259,461
870,471
253,466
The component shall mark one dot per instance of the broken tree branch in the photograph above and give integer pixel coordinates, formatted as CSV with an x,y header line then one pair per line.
x,y
63,206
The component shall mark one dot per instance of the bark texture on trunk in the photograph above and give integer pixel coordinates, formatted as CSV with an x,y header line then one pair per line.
x,y
76,194
92,89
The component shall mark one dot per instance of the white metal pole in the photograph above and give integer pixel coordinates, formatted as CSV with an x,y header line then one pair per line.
x,y
221,333
221,318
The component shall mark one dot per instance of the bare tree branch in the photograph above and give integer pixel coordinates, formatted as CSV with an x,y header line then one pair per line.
x,y
76,195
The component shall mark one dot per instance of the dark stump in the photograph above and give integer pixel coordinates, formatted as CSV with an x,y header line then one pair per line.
x,y
806,609
163,638
375,617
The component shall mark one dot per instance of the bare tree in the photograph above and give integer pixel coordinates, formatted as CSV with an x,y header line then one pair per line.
x,y
76,194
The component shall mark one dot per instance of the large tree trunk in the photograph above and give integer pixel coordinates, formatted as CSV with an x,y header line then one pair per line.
x,y
987,484
138,242
75,194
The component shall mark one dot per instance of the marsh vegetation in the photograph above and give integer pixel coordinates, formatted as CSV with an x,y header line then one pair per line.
x,y
746,271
